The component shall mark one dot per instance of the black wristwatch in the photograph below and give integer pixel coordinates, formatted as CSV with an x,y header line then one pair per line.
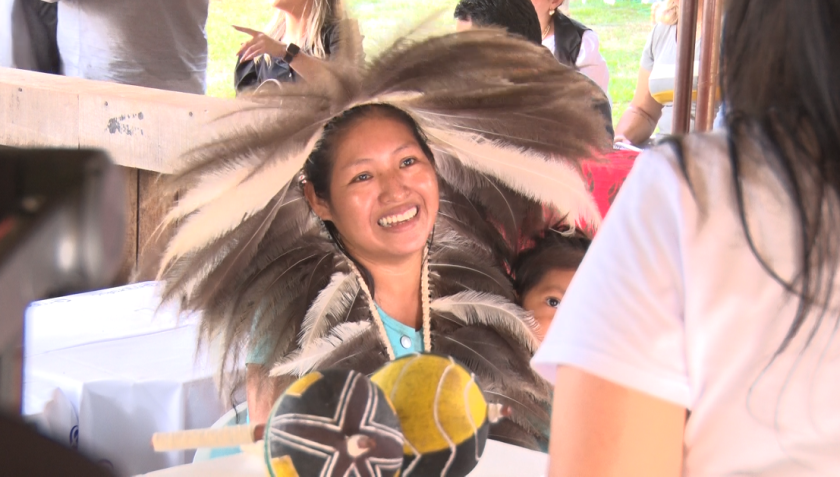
x,y
291,51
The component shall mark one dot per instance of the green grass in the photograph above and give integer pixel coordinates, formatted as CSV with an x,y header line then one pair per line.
x,y
622,29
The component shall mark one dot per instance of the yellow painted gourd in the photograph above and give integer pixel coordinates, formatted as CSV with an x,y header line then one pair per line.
x,y
442,412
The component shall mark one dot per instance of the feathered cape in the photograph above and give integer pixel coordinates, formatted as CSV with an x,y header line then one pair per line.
x,y
507,125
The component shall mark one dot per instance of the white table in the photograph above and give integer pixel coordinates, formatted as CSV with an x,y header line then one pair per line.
x,y
498,460
105,370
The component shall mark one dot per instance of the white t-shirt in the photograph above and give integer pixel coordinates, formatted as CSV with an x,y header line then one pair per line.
x,y
589,60
671,301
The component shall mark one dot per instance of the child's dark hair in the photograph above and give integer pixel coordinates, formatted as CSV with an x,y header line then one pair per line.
x,y
518,16
552,251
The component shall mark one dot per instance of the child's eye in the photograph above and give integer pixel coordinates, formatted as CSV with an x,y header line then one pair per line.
x,y
408,161
362,177
552,302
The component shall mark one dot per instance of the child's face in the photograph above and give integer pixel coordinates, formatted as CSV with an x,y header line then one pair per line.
x,y
545,296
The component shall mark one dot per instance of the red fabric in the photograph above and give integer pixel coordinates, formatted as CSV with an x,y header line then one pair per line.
x,y
605,177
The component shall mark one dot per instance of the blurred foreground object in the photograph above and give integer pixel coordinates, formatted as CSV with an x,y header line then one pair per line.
x,y
61,230
28,453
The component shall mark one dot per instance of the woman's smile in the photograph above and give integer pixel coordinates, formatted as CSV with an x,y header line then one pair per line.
x,y
396,220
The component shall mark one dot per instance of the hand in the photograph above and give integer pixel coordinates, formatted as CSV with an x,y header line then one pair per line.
x,y
259,44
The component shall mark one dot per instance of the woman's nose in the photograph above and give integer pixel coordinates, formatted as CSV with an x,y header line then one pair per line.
x,y
394,188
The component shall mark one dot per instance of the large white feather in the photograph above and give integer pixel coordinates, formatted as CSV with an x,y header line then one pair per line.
x,y
476,308
333,300
304,360
209,188
230,209
546,180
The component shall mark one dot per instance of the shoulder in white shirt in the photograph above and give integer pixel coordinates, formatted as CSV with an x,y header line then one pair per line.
x,y
589,60
671,301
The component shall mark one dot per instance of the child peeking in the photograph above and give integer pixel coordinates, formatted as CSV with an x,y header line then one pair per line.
x,y
543,273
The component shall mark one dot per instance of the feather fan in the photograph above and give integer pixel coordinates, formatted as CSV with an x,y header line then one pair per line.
x,y
547,181
308,358
483,309
228,210
329,308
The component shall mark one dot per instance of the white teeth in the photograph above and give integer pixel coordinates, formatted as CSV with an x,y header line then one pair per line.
x,y
392,220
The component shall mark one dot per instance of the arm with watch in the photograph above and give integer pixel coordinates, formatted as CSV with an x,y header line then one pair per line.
x,y
297,62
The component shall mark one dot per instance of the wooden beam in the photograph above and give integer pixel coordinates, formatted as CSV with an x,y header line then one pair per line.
x,y
142,128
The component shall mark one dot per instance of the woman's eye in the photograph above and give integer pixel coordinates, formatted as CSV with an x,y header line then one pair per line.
x,y
361,177
408,161
552,302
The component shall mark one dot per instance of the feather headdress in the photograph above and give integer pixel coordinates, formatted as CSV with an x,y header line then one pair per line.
x,y
507,125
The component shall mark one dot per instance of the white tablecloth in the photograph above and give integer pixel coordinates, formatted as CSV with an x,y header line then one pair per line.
x,y
498,460
105,370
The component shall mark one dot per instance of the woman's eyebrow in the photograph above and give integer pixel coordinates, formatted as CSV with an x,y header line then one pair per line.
x,y
364,160
404,146
356,162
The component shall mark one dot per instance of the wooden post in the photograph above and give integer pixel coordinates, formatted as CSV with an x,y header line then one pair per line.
x,y
684,86
132,212
707,87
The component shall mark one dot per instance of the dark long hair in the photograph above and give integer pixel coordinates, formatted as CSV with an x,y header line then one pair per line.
x,y
781,83
319,165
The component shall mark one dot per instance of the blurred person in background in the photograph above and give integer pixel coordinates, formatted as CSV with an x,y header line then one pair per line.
x,y
301,34
29,36
571,42
653,102
152,43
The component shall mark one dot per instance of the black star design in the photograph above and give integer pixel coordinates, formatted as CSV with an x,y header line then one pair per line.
x,y
350,442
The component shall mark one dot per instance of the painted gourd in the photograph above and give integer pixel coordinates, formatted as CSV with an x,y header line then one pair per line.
x,y
442,412
333,423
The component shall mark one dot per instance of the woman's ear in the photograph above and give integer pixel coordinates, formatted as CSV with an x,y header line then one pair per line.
x,y
318,205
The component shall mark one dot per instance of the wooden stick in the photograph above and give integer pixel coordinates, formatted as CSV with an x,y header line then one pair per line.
x,y
229,436
684,85
709,65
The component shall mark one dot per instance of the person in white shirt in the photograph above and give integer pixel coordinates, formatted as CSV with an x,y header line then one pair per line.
x,y
571,42
699,335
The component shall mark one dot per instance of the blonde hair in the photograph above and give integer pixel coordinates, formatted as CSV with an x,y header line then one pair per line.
x,y
321,14
667,12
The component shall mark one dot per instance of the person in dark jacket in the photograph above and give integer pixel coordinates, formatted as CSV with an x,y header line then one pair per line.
x,y
302,34
572,43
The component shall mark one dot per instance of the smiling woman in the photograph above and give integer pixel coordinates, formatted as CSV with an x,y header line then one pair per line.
x,y
361,221
371,180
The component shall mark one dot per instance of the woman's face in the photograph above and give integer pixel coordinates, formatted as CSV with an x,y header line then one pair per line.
x,y
543,7
383,191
